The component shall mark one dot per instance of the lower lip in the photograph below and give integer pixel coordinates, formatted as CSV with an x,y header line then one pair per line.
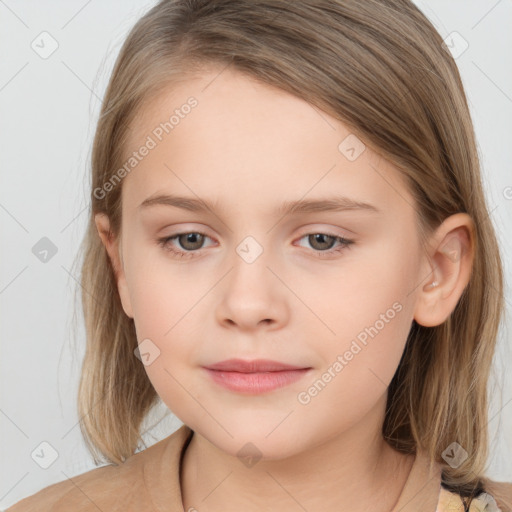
x,y
255,383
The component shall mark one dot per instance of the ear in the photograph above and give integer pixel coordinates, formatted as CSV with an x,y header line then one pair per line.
x,y
113,249
449,264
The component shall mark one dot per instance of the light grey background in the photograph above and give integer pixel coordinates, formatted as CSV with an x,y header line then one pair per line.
x,y
49,111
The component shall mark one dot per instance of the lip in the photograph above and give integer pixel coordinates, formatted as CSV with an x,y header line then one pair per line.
x,y
256,376
252,366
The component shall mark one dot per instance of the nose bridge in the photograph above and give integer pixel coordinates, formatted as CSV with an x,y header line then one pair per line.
x,y
250,249
250,273
251,293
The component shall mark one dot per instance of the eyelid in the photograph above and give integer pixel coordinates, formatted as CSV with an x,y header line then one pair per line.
x,y
184,228
344,243
306,230
321,228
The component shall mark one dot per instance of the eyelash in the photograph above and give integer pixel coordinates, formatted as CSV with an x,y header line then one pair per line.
x,y
164,243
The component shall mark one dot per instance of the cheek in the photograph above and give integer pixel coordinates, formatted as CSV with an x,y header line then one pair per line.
x,y
163,309
161,291
370,310
359,362
168,310
357,310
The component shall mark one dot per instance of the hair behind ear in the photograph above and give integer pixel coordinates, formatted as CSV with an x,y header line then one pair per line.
x,y
112,402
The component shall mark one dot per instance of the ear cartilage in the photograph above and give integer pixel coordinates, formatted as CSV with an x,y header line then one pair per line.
x,y
433,284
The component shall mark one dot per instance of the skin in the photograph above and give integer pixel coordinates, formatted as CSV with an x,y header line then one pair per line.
x,y
249,147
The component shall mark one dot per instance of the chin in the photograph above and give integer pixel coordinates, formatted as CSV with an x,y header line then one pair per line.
x,y
254,440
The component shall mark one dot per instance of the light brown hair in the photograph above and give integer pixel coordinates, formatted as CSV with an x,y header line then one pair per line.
x,y
380,67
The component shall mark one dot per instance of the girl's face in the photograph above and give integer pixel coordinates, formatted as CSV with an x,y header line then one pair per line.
x,y
255,282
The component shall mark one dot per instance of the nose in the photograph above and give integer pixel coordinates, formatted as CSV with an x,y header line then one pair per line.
x,y
252,296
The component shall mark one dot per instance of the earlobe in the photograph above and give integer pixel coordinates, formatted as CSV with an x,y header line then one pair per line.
x,y
449,270
112,247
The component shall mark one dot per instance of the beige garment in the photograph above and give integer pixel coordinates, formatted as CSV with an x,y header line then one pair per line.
x,y
150,481
146,482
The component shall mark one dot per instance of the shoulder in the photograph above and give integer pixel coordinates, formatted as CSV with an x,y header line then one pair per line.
x,y
108,488
76,492
496,498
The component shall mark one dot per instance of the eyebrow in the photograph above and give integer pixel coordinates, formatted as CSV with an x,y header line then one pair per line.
x,y
328,204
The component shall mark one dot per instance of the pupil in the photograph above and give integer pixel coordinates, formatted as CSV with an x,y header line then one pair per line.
x,y
191,238
320,238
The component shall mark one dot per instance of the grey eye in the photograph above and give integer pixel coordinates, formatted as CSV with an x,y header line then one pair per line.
x,y
191,241
321,241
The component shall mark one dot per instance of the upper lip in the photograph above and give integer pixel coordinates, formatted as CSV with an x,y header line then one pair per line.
x,y
253,366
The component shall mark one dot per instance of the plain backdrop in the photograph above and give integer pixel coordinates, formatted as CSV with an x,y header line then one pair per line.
x,y
49,108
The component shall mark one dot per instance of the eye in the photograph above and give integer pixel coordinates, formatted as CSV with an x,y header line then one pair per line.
x,y
192,242
324,243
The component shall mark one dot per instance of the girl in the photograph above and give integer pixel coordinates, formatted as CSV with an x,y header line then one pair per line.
x,y
289,246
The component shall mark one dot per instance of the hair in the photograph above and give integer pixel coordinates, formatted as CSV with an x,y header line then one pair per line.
x,y
380,67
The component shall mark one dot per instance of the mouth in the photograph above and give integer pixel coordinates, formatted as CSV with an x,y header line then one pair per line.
x,y
254,377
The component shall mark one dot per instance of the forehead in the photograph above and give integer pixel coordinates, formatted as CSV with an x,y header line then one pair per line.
x,y
221,134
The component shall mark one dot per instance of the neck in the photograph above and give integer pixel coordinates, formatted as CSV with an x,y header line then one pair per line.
x,y
354,470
